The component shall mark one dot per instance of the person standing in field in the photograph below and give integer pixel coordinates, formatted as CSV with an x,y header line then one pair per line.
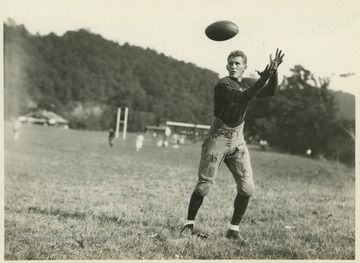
x,y
225,140
16,129
139,142
111,137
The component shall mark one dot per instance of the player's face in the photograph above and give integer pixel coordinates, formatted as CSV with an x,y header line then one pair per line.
x,y
236,67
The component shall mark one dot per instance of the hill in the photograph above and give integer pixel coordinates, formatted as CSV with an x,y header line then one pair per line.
x,y
85,77
346,105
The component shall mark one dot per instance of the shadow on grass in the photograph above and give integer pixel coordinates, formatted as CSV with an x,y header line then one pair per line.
x,y
76,215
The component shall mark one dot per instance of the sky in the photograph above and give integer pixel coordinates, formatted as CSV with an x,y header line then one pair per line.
x,y
321,35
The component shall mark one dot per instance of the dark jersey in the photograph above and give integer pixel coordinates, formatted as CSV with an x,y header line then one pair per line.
x,y
232,98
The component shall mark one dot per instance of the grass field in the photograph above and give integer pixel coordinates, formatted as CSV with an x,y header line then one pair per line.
x,y
69,196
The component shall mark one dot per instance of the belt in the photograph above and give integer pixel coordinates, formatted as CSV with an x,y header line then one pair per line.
x,y
227,133
219,128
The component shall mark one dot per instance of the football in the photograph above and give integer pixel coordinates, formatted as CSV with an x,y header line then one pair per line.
x,y
221,30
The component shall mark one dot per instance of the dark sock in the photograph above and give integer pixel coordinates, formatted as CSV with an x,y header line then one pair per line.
x,y
240,205
194,205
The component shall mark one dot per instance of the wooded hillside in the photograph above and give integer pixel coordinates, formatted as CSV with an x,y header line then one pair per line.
x,y
84,78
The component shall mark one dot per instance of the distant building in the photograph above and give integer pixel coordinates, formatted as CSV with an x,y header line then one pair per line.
x,y
184,130
155,129
44,117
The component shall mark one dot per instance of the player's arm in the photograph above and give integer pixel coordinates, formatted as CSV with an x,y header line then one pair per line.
x,y
227,93
271,87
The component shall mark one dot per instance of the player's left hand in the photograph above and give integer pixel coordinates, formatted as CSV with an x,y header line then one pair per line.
x,y
274,63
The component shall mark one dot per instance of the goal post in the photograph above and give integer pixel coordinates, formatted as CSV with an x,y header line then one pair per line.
x,y
124,122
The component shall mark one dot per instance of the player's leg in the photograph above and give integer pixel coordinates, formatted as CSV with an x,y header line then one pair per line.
x,y
239,164
211,157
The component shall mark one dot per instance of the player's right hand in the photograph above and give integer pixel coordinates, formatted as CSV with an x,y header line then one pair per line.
x,y
267,72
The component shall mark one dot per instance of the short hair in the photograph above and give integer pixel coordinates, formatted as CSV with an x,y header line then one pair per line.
x,y
237,53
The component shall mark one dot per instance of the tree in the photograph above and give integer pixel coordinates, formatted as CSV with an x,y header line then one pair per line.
x,y
301,116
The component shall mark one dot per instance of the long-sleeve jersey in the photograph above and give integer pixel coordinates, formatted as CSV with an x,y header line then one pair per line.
x,y
232,98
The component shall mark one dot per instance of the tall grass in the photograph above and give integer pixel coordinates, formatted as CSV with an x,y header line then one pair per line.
x,y
68,195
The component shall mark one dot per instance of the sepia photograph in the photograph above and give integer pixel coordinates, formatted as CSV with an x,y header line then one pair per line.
x,y
179,130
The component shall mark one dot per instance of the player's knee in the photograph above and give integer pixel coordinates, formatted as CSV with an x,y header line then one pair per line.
x,y
250,190
203,189
247,189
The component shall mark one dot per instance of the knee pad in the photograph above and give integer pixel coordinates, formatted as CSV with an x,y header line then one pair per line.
x,y
247,189
203,188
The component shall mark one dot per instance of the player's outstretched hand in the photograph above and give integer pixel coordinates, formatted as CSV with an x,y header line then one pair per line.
x,y
274,63
267,72
272,67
